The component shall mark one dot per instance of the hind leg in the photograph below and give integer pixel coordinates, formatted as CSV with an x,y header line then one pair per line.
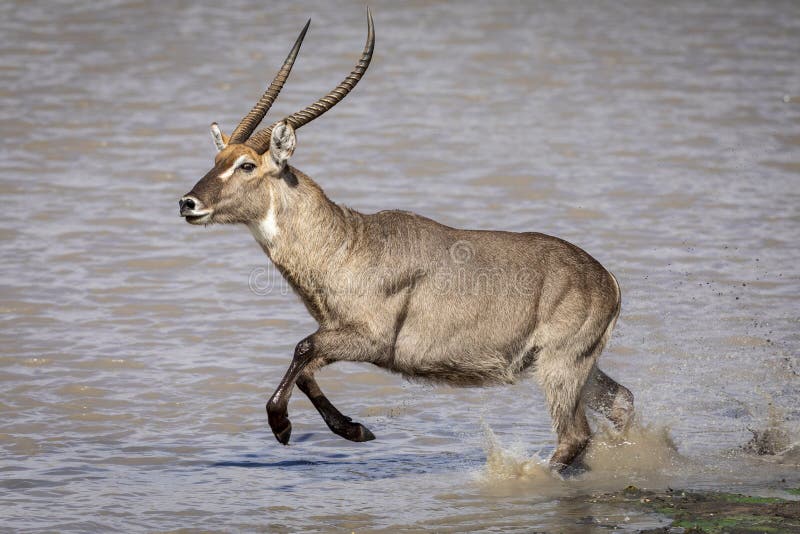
x,y
572,442
562,377
605,395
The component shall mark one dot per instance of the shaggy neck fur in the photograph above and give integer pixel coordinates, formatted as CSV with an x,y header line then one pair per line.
x,y
305,234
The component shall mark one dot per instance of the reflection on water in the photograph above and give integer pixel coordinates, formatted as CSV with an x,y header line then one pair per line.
x,y
135,356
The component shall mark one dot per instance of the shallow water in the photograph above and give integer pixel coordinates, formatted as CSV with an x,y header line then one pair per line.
x,y
136,351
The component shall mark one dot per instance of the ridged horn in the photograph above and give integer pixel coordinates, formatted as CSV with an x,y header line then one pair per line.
x,y
253,119
260,140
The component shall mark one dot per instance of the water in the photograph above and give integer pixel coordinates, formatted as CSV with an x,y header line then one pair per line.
x,y
136,351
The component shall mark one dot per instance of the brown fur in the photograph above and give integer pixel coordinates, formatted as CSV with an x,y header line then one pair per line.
x,y
415,297
431,302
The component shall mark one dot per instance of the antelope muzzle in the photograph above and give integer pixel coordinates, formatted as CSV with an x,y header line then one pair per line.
x,y
193,211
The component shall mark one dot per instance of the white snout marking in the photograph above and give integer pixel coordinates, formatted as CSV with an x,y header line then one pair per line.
x,y
227,174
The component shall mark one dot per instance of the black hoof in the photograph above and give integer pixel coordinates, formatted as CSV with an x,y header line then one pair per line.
x,y
282,431
356,432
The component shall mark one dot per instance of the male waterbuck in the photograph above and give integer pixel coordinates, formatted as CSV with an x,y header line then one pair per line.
x,y
410,295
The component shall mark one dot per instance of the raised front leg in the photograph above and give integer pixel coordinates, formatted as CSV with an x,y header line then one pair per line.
x,y
277,412
321,348
338,423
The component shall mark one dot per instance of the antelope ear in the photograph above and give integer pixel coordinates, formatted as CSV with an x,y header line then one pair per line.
x,y
281,145
220,139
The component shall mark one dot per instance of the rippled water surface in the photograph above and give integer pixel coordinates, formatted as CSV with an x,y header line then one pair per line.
x,y
136,351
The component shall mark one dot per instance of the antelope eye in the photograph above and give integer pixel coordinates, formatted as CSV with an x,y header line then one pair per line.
x,y
247,167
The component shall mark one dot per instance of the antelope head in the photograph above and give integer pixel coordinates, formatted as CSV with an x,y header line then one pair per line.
x,y
238,188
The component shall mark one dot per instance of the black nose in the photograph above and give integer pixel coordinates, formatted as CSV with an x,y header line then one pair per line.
x,y
186,203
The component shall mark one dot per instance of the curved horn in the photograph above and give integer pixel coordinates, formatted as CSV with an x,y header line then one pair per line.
x,y
252,119
260,140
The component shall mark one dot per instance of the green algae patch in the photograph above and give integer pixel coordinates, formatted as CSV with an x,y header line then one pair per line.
x,y
743,523
748,499
712,512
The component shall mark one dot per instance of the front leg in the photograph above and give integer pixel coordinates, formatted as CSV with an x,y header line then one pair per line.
x,y
277,413
338,423
321,348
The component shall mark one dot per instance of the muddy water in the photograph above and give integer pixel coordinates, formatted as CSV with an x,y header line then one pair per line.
x,y
136,352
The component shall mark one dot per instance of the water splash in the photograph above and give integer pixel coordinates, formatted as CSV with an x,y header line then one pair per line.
x,y
643,450
511,462
644,454
775,441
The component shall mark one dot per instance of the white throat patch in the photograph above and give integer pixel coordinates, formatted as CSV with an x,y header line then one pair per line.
x,y
266,230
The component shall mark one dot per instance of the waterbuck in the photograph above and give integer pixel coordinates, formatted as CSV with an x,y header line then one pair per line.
x,y
410,295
